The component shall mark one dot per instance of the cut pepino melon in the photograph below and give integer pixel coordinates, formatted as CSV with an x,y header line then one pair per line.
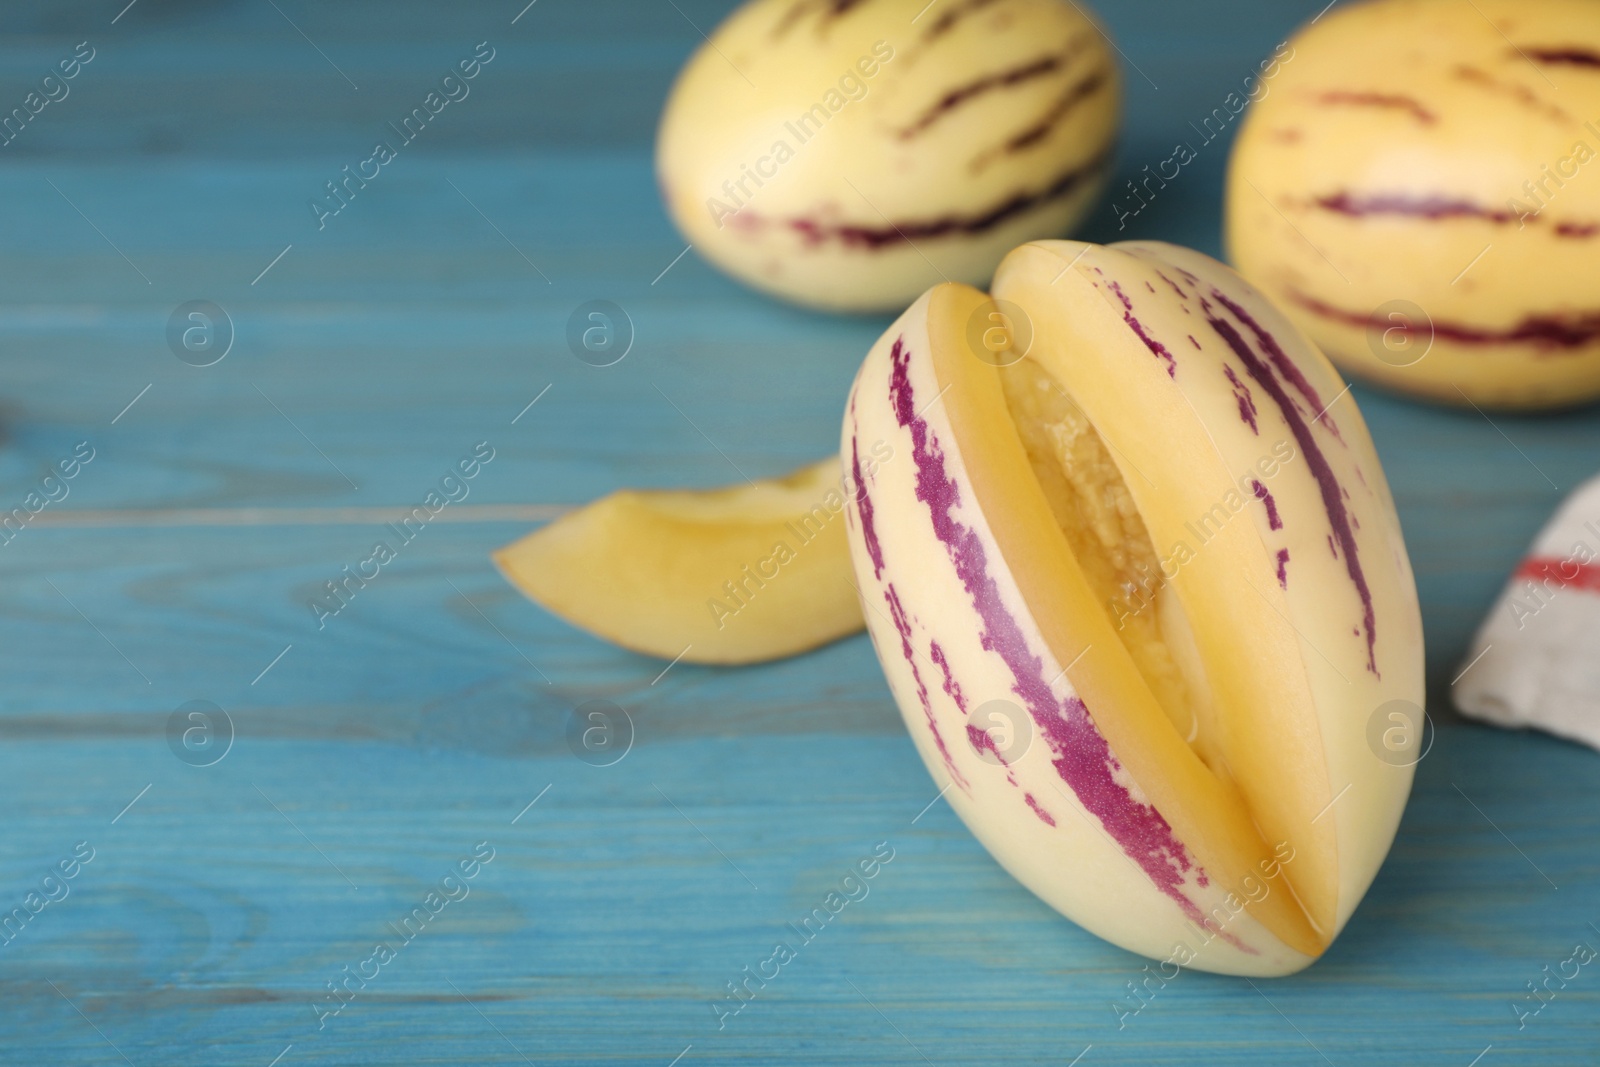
x,y
735,575
1141,596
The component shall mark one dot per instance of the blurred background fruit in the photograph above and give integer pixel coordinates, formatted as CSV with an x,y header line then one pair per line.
x,y
849,155
1418,191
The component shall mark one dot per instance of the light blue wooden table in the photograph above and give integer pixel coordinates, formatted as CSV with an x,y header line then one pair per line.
x,y
372,756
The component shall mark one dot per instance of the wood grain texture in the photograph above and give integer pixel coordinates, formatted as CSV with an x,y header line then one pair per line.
x,y
423,718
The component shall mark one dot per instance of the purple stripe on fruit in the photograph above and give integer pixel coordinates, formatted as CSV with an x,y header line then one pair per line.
x,y
1280,360
1544,331
1570,57
873,238
1004,79
1241,393
1273,522
869,527
1081,755
1429,207
1321,470
1384,100
902,624
1159,350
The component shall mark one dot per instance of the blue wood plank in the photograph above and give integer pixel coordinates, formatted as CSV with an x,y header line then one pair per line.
x,y
373,754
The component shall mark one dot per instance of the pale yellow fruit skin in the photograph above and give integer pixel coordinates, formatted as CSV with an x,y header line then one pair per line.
x,y
1445,107
1185,431
644,568
1017,62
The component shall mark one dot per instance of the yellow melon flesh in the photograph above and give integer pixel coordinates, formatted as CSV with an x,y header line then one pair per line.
x,y
741,574
1071,530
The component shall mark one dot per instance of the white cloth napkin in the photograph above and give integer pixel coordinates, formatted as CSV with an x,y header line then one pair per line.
x,y
1536,659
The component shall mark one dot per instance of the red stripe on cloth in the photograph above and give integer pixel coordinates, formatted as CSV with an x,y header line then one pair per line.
x,y
1565,573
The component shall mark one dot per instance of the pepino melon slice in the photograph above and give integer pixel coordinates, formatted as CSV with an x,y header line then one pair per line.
x,y
740,574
